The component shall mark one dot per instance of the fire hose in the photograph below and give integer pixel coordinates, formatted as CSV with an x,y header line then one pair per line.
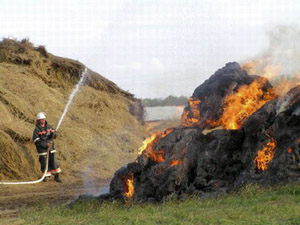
x,y
75,90
34,181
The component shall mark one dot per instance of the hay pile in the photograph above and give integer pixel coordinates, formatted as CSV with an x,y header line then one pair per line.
x,y
101,129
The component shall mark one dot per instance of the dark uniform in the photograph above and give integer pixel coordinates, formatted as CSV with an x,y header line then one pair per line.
x,y
42,136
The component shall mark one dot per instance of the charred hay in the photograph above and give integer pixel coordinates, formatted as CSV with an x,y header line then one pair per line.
x,y
202,163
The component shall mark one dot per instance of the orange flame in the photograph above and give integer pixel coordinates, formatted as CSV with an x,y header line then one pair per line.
x,y
146,142
290,150
156,155
264,67
192,117
270,71
283,86
265,156
129,187
149,143
176,162
249,67
237,107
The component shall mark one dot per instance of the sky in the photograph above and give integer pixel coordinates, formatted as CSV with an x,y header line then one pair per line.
x,y
151,48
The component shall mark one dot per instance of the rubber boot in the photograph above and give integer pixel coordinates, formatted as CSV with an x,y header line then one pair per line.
x,y
57,179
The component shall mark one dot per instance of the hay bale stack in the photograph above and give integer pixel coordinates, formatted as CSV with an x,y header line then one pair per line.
x,y
99,132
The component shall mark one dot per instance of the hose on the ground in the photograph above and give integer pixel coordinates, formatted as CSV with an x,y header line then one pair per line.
x,y
34,181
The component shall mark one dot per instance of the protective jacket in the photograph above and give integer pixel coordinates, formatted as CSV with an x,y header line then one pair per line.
x,y
41,136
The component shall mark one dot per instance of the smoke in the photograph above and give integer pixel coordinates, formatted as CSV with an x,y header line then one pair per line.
x,y
90,184
280,63
284,49
296,112
283,104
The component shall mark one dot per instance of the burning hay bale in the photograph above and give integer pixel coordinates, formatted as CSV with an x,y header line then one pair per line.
x,y
257,140
227,98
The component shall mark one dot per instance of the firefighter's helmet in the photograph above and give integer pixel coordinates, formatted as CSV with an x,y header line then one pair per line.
x,y
41,115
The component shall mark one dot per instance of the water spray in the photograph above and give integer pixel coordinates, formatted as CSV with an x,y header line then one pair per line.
x,y
72,95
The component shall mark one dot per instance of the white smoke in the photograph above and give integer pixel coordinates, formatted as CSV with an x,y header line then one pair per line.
x,y
296,112
283,104
280,63
284,49
91,185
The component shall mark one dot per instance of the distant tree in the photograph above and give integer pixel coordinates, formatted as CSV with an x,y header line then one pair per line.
x,y
168,101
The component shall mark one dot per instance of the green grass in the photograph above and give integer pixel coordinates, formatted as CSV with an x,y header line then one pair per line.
x,y
251,205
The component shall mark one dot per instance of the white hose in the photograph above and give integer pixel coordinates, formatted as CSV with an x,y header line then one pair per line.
x,y
34,181
74,92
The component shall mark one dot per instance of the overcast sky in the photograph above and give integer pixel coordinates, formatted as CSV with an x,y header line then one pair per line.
x,y
152,48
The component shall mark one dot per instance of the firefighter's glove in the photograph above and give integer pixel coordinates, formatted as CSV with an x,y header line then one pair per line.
x,y
54,134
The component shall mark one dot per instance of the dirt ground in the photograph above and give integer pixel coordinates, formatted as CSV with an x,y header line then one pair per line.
x,y
15,197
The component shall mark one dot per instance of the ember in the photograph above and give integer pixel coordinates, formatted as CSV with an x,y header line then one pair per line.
x,y
175,162
265,156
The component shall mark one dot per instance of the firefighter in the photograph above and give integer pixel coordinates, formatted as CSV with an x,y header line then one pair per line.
x,y
43,136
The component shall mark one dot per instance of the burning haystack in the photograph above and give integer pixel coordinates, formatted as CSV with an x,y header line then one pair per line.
x,y
235,130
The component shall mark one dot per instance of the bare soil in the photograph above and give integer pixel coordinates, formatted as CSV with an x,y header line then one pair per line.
x,y
15,197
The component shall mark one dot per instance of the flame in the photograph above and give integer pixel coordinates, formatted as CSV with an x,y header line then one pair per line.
x,y
156,155
149,143
271,71
265,156
249,67
176,162
283,86
237,107
129,186
146,142
264,67
191,117
290,150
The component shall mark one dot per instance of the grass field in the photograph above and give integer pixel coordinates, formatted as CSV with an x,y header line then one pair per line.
x,y
250,205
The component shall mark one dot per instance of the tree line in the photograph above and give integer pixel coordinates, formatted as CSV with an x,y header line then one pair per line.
x,y
168,101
